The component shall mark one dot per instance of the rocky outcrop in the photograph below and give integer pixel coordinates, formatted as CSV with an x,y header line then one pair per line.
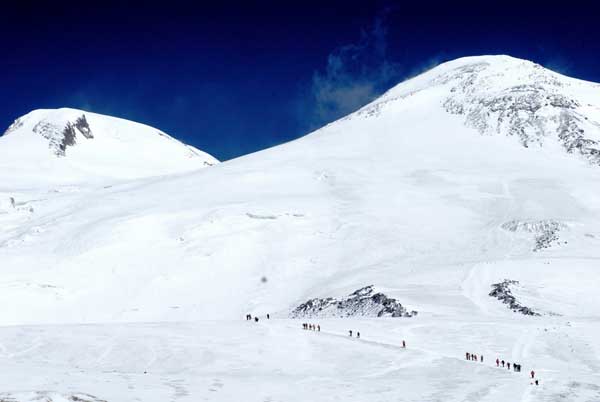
x,y
502,292
61,137
546,232
532,112
46,396
364,302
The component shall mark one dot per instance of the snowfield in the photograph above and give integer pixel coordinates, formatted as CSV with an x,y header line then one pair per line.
x,y
134,286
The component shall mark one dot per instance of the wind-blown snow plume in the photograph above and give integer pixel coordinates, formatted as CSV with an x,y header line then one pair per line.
x,y
355,74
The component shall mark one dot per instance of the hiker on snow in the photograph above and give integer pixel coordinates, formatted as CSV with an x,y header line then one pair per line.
x,y
350,331
497,363
358,334
255,319
481,358
508,365
404,344
319,327
532,373
467,356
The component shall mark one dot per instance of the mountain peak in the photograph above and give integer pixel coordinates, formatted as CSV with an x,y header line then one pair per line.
x,y
95,144
61,127
503,95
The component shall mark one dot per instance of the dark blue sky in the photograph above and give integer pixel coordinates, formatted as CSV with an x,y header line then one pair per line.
x,y
234,78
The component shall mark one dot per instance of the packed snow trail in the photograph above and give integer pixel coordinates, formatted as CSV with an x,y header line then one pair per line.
x,y
251,361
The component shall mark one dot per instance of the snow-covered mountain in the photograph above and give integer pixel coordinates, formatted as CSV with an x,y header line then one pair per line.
x,y
511,97
69,145
466,193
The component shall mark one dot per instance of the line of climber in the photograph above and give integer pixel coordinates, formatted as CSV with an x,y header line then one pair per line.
x,y
312,327
249,317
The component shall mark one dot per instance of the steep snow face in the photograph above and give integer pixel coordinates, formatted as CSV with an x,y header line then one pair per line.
x,y
512,97
72,145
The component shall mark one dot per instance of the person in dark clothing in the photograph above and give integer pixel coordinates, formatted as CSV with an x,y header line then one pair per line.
x,y
404,344
319,327
532,373
497,363
358,334
481,357
255,319
268,316
537,382
508,365
350,332
502,363
467,356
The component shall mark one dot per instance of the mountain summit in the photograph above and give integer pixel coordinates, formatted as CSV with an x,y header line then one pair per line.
x,y
70,144
502,95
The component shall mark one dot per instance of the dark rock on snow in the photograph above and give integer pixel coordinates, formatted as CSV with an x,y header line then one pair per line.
x,y
502,292
364,302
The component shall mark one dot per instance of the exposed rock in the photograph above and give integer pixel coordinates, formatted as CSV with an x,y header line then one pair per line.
x,y
82,125
45,396
531,112
502,292
363,302
62,137
545,231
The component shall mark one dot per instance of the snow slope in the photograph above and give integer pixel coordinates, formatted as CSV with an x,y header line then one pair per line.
x,y
474,172
73,146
